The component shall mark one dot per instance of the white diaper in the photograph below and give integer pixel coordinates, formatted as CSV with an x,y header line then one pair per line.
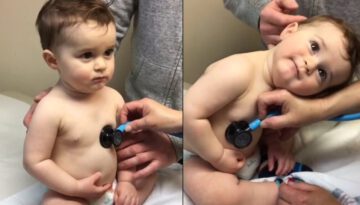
x,y
107,198
250,167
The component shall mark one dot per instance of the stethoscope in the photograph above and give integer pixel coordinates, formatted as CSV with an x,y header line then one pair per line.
x,y
238,133
110,136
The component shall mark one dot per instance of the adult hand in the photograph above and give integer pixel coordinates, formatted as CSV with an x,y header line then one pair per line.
x,y
297,193
274,17
149,114
151,149
30,112
295,111
87,188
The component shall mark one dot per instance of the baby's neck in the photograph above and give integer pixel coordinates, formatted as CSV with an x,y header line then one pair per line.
x,y
268,62
71,91
263,62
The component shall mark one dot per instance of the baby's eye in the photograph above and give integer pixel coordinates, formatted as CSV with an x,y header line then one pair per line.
x,y
109,52
87,55
322,74
314,46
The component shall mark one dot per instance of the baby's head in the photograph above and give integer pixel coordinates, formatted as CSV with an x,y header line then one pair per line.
x,y
57,15
78,40
316,55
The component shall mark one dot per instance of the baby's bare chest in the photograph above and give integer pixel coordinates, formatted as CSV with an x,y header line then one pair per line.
x,y
81,125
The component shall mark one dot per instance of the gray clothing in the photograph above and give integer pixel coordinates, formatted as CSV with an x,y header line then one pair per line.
x,y
156,48
249,10
156,66
246,10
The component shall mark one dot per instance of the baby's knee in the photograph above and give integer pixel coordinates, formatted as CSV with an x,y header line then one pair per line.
x,y
54,198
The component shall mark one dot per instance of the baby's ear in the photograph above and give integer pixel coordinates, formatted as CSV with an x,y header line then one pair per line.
x,y
289,29
50,59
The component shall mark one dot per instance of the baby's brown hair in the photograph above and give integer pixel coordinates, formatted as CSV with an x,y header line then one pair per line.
x,y
55,15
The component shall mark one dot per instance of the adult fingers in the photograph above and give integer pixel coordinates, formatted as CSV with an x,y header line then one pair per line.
x,y
42,94
268,99
136,160
124,112
287,4
148,170
301,186
138,125
132,110
282,202
132,150
28,115
275,122
283,19
286,192
130,139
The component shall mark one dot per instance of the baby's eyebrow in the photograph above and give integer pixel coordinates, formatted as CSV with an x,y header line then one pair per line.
x,y
322,42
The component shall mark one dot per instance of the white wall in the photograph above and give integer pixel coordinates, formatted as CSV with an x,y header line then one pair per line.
x,y
212,32
21,66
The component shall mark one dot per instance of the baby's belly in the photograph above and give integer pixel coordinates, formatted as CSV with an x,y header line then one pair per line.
x,y
84,162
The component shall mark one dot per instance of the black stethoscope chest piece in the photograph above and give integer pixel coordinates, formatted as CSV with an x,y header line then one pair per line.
x,y
238,134
109,136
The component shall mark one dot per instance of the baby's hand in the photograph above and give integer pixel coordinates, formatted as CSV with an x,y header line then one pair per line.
x,y
231,161
126,194
283,156
87,188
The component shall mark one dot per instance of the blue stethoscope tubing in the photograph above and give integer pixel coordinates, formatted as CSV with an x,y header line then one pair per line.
x,y
122,129
347,117
253,125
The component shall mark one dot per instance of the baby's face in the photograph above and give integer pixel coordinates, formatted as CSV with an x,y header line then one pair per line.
x,y
85,56
311,59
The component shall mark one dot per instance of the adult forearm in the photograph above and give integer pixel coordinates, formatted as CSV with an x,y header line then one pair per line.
x,y
344,101
246,10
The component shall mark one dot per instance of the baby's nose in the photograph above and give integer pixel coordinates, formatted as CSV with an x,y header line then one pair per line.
x,y
310,65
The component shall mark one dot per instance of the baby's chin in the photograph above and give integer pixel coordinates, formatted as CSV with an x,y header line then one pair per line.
x,y
303,93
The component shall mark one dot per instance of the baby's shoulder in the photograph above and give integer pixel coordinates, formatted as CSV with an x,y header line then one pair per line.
x,y
237,63
49,107
112,94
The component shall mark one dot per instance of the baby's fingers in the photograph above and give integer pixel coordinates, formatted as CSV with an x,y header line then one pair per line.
x,y
103,188
271,162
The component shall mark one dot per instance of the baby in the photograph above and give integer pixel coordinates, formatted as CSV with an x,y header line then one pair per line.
x,y
306,62
62,147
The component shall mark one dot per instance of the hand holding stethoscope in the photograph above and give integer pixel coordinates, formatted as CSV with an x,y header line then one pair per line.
x,y
238,133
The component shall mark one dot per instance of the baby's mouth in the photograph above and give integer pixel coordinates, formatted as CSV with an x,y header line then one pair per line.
x,y
296,68
100,79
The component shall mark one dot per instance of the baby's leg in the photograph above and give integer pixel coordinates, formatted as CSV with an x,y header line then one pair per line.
x,y
207,186
135,192
54,198
145,187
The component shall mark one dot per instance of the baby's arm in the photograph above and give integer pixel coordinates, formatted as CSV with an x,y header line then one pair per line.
x,y
126,192
39,144
279,151
223,82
